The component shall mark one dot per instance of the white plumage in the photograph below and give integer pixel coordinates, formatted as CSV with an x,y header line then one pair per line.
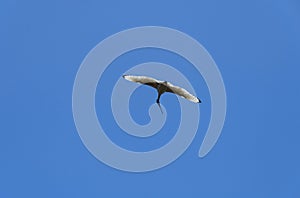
x,y
162,87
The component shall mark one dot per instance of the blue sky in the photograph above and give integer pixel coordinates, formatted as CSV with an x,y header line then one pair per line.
x,y
256,46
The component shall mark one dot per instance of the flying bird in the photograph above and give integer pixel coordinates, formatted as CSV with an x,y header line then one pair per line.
x,y
162,87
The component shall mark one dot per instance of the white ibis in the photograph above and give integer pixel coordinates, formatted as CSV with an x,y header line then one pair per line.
x,y
162,87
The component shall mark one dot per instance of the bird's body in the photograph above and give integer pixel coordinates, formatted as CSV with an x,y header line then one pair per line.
x,y
162,87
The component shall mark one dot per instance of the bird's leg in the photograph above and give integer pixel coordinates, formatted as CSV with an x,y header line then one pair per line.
x,y
157,101
158,97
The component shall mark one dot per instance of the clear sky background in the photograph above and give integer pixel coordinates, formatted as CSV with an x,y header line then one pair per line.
x,y
256,46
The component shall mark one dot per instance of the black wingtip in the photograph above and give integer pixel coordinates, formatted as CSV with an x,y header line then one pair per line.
x,y
124,76
199,101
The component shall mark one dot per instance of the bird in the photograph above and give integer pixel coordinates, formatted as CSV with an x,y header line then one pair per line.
x,y
162,87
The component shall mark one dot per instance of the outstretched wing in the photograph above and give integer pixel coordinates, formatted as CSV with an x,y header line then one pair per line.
x,y
143,80
182,92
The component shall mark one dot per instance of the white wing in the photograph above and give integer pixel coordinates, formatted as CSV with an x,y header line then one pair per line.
x,y
170,88
182,92
143,80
